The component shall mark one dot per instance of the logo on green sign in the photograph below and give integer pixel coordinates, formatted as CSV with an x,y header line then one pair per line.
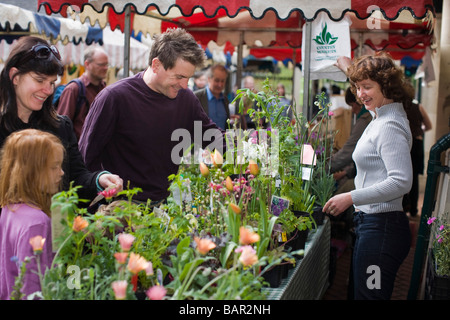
x,y
325,37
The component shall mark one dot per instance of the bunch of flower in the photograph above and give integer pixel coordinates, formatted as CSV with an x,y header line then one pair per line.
x,y
440,236
134,265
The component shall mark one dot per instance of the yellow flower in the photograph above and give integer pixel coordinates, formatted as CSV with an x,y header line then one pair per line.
x,y
204,169
246,236
204,245
37,243
235,208
79,224
136,263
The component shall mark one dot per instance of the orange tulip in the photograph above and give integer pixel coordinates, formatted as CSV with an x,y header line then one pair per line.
x,y
253,167
204,245
37,243
235,208
204,169
79,224
229,184
136,263
246,236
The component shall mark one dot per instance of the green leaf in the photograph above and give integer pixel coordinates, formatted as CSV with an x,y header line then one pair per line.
x,y
181,247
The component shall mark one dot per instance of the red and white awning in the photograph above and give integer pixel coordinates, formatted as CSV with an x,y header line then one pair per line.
x,y
270,29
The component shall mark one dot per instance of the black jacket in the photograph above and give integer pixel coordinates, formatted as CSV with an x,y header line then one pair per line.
x,y
73,165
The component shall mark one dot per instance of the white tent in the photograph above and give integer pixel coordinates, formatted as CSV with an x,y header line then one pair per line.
x,y
113,43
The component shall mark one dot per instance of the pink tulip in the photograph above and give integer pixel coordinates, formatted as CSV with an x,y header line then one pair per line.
x,y
156,293
248,255
120,289
109,193
126,241
121,257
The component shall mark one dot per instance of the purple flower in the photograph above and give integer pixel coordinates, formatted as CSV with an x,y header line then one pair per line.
x,y
431,220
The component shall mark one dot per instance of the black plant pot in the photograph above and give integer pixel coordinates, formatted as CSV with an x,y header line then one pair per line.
x,y
318,215
274,276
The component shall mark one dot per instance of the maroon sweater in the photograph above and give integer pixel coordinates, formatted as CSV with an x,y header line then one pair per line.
x,y
129,132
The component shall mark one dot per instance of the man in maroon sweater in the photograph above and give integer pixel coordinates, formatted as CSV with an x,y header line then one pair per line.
x,y
139,127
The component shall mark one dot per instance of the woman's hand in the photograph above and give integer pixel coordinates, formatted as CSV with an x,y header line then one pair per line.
x,y
338,204
343,63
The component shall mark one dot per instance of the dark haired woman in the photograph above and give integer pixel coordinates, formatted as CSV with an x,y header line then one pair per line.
x,y
27,83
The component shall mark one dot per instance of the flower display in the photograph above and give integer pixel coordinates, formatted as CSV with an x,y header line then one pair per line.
x,y
216,234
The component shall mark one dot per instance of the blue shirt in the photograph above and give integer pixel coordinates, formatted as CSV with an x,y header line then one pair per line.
x,y
216,108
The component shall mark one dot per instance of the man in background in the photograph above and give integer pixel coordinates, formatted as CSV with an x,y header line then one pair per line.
x,y
96,65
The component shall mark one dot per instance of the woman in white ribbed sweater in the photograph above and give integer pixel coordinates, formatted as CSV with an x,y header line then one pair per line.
x,y
384,176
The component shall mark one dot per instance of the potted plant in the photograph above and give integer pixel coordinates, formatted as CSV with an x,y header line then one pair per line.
x,y
438,273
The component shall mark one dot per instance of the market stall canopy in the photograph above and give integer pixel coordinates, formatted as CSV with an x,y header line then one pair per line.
x,y
16,22
270,29
257,8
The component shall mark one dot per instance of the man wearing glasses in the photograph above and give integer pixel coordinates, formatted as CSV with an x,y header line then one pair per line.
x,y
96,67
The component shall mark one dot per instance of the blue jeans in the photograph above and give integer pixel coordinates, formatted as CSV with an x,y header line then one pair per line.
x,y
382,243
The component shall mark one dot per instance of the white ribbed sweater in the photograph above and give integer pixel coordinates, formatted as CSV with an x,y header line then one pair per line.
x,y
383,161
